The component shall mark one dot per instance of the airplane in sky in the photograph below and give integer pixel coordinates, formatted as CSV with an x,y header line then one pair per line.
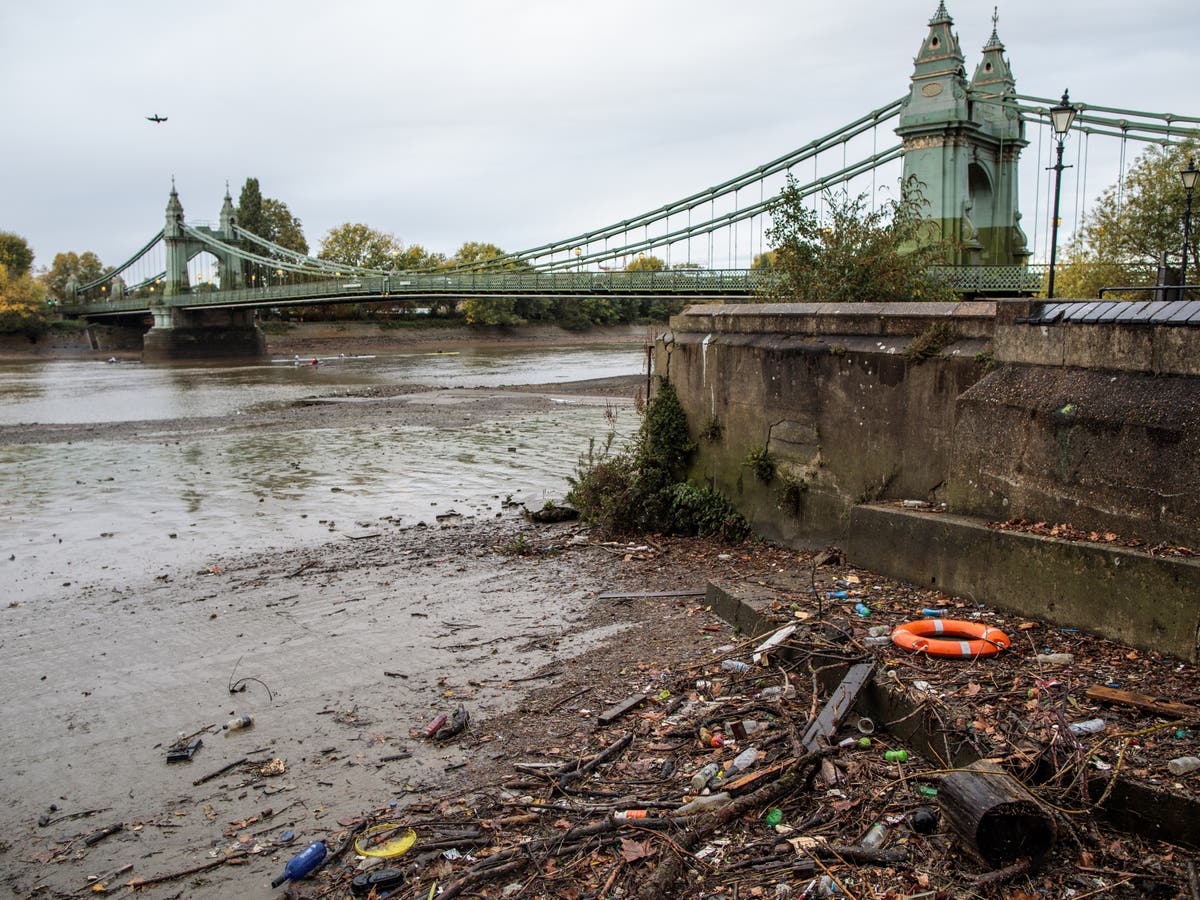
x,y
156,118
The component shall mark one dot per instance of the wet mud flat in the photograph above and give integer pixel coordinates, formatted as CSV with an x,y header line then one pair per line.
x,y
341,654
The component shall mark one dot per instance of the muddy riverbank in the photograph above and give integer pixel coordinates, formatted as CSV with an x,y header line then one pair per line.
x,y
321,338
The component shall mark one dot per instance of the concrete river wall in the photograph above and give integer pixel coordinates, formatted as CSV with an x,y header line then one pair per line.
x,y
969,408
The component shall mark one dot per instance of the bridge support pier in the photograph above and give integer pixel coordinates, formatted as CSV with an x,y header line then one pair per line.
x,y
203,334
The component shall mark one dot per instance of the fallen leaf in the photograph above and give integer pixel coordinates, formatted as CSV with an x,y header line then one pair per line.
x,y
632,851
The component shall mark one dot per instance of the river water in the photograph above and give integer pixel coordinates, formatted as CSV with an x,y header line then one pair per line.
x,y
83,510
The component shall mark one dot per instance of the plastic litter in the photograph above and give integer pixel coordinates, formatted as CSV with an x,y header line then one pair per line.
x,y
923,820
1091,726
386,841
1183,765
703,804
875,836
378,881
238,724
1055,659
302,864
741,763
701,778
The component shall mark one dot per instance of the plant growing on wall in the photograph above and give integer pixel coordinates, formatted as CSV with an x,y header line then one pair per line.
x,y
853,253
760,461
929,343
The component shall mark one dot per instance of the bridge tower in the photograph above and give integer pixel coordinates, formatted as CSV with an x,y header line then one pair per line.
x,y
181,333
176,242
180,248
962,141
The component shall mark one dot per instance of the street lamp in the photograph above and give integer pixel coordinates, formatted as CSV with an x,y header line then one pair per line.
x,y
578,253
1188,176
1061,117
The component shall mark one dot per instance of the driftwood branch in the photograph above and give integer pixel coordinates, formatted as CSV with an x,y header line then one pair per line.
x,y
598,760
139,883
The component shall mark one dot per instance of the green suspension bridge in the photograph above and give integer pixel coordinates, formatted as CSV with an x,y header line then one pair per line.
x,y
960,138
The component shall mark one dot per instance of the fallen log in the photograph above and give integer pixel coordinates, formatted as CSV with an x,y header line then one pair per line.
x,y
995,818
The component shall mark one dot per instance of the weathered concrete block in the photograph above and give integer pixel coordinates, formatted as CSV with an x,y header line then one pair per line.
x,y
1148,602
1104,451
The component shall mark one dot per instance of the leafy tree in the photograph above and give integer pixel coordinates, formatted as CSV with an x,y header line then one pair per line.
x,y
356,244
22,303
764,260
283,227
269,218
1132,227
491,311
15,254
249,208
84,267
473,255
646,264
415,257
855,254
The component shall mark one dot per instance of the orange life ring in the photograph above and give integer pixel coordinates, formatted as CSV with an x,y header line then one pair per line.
x,y
950,637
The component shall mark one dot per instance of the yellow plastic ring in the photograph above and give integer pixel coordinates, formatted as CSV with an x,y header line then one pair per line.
x,y
371,842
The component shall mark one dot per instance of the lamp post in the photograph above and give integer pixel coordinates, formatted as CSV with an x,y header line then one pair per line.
x,y
1188,176
1061,117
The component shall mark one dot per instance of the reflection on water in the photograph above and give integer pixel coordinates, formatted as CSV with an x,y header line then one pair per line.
x,y
74,391
110,512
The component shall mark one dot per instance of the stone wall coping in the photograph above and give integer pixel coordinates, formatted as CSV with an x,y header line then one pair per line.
x,y
975,316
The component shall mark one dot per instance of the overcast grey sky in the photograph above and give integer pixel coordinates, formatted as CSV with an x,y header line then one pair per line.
x,y
509,122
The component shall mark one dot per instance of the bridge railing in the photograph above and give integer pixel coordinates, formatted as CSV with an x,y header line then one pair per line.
x,y
680,282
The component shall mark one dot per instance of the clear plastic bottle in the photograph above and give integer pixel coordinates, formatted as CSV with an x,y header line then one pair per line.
x,y
741,763
238,724
1091,726
1183,765
735,665
703,804
775,693
875,836
1055,659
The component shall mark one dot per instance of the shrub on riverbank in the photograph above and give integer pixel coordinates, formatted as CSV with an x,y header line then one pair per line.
x,y
22,304
641,487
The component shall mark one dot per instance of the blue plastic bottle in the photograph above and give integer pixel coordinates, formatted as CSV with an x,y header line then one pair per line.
x,y
862,609
933,613
300,865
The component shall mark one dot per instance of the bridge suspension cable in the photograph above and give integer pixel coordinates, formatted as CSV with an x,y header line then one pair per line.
x,y
300,259
117,270
693,201
724,220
